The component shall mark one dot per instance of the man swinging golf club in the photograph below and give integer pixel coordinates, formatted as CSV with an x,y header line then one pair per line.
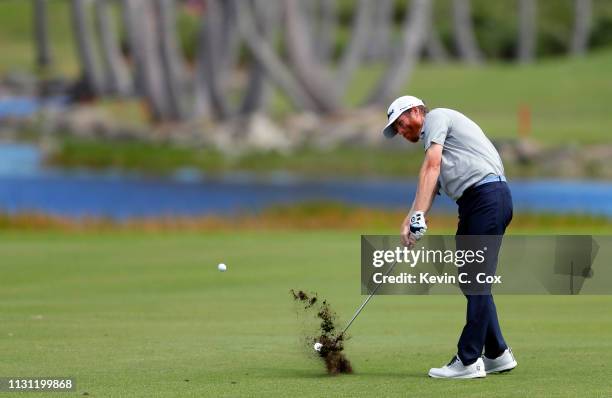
x,y
460,160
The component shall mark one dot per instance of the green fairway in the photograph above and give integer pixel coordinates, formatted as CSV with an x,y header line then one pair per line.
x,y
136,314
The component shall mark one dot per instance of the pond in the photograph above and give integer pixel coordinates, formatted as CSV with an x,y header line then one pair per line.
x,y
26,186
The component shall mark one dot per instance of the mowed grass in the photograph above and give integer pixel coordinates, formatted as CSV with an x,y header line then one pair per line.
x,y
136,314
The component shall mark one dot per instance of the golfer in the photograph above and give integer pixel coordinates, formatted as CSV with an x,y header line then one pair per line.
x,y
462,162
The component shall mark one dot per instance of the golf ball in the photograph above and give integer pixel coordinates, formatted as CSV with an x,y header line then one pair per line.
x,y
318,346
222,267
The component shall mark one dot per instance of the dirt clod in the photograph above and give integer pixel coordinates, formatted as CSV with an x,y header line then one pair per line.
x,y
328,336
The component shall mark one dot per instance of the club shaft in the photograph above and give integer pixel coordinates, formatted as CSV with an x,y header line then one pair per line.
x,y
366,300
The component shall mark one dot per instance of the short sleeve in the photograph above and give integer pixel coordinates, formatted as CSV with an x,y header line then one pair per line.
x,y
435,128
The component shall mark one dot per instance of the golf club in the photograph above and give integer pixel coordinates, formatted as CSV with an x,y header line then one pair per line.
x,y
318,345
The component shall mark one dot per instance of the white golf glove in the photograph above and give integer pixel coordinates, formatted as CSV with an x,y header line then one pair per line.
x,y
418,227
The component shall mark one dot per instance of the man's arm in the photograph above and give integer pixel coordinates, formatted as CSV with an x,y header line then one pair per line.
x,y
428,179
426,190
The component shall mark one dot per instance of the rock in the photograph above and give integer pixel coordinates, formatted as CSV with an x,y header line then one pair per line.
x,y
20,83
560,162
360,127
53,87
252,132
524,151
527,150
88,122
302,127
263,134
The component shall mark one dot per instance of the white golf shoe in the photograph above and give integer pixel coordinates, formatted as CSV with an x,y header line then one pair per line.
x,y
503,363
457,370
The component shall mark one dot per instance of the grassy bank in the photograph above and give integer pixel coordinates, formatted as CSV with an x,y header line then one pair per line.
x,y
310,216
399,162
164,159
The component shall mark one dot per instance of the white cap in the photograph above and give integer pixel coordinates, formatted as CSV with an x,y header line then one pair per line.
x,y
397,107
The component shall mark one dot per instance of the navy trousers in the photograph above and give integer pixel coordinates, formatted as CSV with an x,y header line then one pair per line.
x,y
483,210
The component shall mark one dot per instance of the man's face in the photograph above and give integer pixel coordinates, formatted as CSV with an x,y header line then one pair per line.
x,y
409,124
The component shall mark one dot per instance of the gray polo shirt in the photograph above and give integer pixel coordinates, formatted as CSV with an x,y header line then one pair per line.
x,y
467,157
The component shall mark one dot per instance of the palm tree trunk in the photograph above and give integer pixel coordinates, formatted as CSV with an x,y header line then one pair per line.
x,y
230,41
213,56
116,76
142,30
171,59
303,61
202,106
464,32
134,55
85,44
326,32
41,36
527,31
379,48
414,32
355,51
257,90
434,48
276,70
582,26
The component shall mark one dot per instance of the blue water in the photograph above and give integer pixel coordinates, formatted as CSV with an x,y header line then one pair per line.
x,y
25,186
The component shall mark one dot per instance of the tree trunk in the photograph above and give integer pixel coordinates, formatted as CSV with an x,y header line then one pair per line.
x,y
276,70
171,59
527,31
116,76
230,40
434,48
379,43
202,106
326,32
582,27
398,73
85,44
355,51
142,29
311,75
41,36
257,89
134,55
213,56
465,38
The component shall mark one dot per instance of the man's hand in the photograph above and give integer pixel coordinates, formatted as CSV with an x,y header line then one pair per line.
x,y
418,227
413,228
408,239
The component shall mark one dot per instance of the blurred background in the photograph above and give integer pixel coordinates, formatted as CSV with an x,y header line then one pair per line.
x,y
123,110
